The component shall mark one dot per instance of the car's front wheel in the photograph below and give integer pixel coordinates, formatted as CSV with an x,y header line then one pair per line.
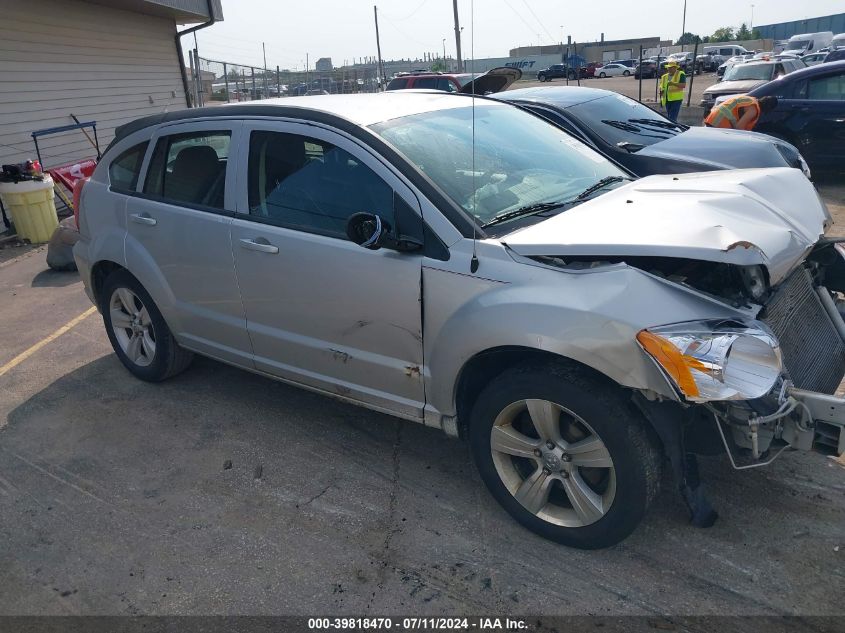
x,y
626,73
541,78
567,456
137,330
602,75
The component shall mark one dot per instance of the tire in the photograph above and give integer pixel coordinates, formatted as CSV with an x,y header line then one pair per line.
x,y
626,73
612,497
602,75
542,78
145,345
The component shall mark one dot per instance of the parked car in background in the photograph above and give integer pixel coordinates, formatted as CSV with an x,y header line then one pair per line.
x,y
576,328
835,55
810,113
644,141
422,80
837,41
591,69
808,42
814,58
613,70
493,80
561,71
745,77
648,70
731,62
630,63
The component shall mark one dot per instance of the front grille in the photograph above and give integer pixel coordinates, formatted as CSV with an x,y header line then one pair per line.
x,y
813,351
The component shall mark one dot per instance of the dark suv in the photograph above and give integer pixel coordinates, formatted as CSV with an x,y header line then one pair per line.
x,y
560,71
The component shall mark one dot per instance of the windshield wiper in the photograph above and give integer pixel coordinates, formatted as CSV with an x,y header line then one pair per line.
x,y
601,184
661,124
531,209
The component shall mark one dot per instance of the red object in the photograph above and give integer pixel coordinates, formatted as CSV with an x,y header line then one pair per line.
x,y
77,194
67,175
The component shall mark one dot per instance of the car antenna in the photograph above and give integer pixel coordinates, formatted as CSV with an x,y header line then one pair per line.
x,y
473,262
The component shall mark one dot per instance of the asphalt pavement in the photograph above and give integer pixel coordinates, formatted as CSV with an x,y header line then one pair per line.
x,y
223,492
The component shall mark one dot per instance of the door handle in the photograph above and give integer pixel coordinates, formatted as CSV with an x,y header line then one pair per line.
x,y
262,246
143,218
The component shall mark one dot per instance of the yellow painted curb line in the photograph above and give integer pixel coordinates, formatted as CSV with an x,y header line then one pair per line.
x,y
17,360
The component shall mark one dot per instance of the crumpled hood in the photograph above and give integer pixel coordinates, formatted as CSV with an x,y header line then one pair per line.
x,y
745,217
726,149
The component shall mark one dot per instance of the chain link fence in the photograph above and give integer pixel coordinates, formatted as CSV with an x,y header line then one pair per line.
x,y
212,82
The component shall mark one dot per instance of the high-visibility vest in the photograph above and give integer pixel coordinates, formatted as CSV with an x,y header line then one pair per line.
x,y
727,113
671,93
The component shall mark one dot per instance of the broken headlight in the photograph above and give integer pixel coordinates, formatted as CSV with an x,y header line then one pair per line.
x,y
715,360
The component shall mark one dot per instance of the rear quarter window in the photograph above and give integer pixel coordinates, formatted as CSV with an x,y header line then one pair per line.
x,y
126,168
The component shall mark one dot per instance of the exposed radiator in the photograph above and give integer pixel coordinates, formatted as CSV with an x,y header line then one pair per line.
x,y
813,351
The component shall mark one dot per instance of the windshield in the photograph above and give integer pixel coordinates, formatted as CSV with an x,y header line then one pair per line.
x,y
750,72
618,119
798,45
520,160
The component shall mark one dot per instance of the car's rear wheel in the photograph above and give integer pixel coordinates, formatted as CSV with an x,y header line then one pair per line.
x,y
565,455
137,330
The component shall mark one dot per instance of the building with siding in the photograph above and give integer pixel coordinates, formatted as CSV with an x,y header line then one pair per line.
x,y
111,61
785,30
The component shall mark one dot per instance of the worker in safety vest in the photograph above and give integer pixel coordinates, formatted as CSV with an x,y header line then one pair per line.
x,y
740,112
672,85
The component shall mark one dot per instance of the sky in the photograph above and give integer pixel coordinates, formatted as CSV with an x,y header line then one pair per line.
x,y
344,30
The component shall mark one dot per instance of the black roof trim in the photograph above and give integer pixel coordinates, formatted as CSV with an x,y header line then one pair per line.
x,y
457,216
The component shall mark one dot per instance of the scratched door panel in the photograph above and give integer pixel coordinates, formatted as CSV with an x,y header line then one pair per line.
x,y
322,310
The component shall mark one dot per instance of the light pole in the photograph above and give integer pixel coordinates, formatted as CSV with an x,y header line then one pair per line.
x,y
752,18
444,54
684,25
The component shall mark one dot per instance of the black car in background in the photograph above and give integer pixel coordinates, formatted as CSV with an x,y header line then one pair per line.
x,y
560,71
810,113
648,69
645,142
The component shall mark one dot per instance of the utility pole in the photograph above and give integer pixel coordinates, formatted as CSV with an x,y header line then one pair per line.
x,y
457,37
684,27
264,51
380,70
752,19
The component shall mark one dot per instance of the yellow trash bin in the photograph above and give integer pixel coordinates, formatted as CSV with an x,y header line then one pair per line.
x,y
31,208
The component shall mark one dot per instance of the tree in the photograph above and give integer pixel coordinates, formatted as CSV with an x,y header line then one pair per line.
x,y
724,34
438,66
688,38
743,33
755,35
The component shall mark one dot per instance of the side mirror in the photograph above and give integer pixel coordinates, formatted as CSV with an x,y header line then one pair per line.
x,y
371,232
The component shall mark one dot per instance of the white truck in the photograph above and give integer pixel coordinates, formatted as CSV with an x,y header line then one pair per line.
x,y
808,42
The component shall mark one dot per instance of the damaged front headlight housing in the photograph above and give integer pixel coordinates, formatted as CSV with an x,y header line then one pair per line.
x,y
715,360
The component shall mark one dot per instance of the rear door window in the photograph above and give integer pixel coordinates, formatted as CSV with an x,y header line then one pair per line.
x,y
190,169
126,168
830,88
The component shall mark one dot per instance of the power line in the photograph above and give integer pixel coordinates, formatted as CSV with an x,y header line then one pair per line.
x,y
539,21
531,29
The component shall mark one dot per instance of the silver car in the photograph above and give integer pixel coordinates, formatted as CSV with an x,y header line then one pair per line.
x,y
460,263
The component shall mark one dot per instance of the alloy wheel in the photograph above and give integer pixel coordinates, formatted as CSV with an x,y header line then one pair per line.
x,y
553,463
132,326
